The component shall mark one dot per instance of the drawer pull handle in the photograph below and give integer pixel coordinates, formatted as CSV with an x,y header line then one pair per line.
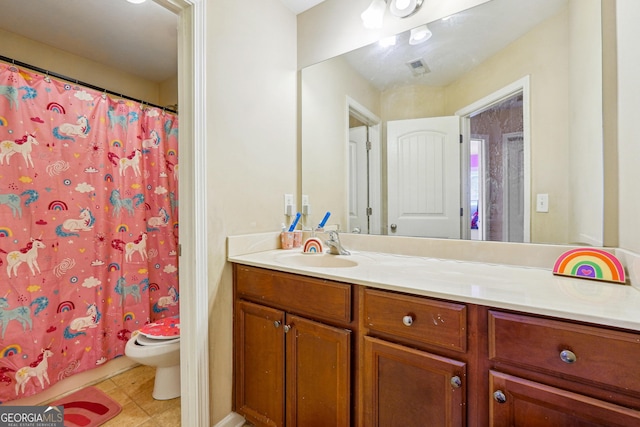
x,y
407,320
456,382
499,396
568,356
277,324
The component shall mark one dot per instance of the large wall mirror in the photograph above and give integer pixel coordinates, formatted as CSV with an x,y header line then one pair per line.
x,y
520,80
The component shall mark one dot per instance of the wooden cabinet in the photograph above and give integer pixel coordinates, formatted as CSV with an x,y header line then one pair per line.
x,y
291,370
552,372
310,352
408,386
520,402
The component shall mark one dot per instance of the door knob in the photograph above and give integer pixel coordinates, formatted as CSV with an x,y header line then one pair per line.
x,y
394,227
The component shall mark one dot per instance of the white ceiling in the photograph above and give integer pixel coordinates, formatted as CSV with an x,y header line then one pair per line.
x,y
457,45
140,39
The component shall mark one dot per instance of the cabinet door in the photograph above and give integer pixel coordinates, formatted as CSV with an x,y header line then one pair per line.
x,y
259,364
522,403
318,374
407,387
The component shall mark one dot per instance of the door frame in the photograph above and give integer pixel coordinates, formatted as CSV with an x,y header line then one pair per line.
x,y
193,256
373,122
465,113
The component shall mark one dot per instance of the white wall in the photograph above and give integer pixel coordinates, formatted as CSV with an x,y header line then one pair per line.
x,y
251,83
628,14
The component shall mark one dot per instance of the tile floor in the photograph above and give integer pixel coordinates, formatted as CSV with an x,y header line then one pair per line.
x,y
132,390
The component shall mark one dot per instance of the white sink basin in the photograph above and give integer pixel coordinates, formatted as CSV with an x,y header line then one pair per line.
x,y
300,259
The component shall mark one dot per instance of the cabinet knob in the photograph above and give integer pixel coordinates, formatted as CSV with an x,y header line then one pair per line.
x,y
499,396
456,382
394,227
407,320
287,328
277,323
568,356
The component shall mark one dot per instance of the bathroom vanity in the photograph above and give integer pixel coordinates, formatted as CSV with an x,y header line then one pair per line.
x,y
411,341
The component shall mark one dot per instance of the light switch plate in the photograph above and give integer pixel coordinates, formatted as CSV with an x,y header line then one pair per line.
x,y
542,203
288,204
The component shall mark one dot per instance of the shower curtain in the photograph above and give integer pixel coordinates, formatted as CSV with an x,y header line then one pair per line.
x,y
88,227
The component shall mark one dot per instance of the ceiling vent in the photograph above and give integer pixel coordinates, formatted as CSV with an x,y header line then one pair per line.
x,y
418,67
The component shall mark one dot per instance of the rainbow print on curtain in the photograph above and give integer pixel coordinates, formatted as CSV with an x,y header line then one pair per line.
x,y
88,227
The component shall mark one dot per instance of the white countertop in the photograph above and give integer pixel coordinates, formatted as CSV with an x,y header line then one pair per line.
x,y
527,289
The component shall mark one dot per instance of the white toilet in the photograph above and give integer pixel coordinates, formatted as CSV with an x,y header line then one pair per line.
x,y
158,344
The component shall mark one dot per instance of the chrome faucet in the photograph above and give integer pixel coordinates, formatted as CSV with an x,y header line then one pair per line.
x,y
335,247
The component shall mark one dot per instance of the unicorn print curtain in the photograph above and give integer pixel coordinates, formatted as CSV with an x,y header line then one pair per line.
x,y
88,226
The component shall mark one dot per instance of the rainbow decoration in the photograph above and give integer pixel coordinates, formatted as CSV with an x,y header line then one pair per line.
x,y
590,263
172,152
153,287
122,228
108,178
312,246
129,316
114,266
58,205
10,350
65,306
5,232
116,143
3,121
56,108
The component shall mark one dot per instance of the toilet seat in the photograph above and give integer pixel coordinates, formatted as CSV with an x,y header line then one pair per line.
x,y
145,340
162,329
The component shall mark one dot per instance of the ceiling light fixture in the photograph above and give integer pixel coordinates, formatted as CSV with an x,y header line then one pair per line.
x,y
372,17
404,8
136,1
420,35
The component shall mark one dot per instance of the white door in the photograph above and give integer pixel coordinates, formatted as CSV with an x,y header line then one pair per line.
x,y
358,181
423,177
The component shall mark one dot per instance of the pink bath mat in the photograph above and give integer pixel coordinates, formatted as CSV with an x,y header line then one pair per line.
x,y
88,407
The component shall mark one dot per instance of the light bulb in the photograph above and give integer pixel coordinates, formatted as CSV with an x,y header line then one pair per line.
x,y
419,35
373,16
402,4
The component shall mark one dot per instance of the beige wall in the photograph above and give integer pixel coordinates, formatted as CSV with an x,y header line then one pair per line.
x,y
628,14
324,91
85,70
251,80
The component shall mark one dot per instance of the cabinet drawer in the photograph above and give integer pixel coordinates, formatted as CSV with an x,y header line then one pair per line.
x,y
317,298
582,353
432,322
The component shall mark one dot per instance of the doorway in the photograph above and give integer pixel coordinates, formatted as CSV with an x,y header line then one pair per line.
x,y
364,194
497,166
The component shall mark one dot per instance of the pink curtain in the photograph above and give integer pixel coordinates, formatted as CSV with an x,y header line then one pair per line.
x,y
88,227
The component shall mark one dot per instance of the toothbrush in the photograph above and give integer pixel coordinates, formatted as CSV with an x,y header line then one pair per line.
x,y
295,222
324,220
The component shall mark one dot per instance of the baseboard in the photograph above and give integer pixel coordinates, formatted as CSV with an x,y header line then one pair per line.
x,y
231,420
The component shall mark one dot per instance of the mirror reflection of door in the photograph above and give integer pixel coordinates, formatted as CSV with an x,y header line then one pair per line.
x,y
497,172
364,192
423,177
358,178
477,182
